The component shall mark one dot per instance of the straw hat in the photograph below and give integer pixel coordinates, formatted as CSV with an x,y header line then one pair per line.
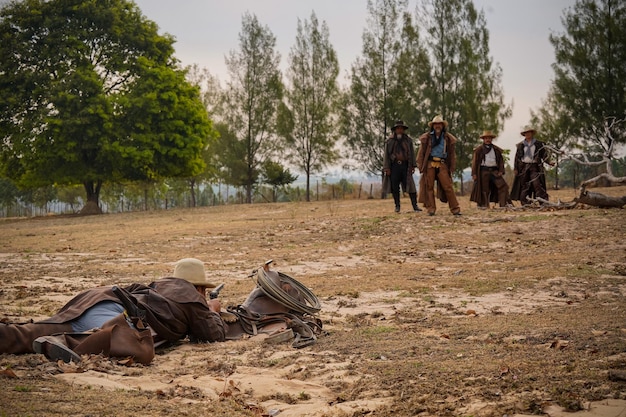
x,y
438,119
192,270
487,134
528,128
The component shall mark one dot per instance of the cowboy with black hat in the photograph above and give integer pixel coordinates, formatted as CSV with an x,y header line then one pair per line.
x,y
399,165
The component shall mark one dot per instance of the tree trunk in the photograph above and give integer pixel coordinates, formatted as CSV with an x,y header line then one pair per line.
x,y
308,187
192,185
92,190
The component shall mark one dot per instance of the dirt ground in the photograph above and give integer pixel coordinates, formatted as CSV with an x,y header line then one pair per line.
x,y
498,312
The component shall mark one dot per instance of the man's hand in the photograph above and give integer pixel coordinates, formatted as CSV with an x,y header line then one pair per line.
x,y
387,171
214,305
474,177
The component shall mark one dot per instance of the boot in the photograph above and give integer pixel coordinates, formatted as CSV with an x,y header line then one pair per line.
x,y
396,200
413,197
116,339
54,348
19,338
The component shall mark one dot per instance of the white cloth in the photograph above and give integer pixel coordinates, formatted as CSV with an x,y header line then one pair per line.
x,y
529,152
490,159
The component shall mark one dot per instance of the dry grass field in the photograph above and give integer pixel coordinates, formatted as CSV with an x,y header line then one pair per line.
x,y
498,312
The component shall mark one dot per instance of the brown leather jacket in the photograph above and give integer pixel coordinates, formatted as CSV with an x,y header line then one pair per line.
x,y
425,147
174,309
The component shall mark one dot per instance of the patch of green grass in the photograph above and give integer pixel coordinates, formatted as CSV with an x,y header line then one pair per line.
x,y
22,388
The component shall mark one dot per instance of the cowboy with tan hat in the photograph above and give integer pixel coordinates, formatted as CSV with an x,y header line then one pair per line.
x,y
488,173
98,320
399,165
530,179
436,161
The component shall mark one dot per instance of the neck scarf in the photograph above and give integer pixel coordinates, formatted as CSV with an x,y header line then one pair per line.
x,y
527,149
486,150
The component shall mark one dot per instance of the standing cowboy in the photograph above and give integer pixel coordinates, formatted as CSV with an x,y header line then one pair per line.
x,y
530,179
399,165
488,174
436,160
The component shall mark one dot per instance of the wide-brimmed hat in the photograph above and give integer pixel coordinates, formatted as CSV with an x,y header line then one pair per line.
x,y
438,119
192,270
487,134
528,128
399,123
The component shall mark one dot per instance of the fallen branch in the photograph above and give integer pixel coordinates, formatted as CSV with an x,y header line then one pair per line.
x,y
543,203
600,200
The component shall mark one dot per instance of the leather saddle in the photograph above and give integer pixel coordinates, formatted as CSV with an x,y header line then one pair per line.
x,y
273,307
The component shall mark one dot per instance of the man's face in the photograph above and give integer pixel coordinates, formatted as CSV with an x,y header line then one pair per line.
x,y
399,131
438,127
528,135
487,140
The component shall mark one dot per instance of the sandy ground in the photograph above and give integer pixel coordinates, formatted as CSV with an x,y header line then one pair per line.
x,y
499,312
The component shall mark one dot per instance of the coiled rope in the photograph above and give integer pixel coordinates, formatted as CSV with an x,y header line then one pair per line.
x,y
311,304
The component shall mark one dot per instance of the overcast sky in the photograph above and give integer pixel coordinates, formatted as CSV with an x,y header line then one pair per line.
x,y
206,30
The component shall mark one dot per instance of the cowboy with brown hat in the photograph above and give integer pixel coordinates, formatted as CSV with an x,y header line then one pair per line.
x,y
399,165
488,174
530,179
436,161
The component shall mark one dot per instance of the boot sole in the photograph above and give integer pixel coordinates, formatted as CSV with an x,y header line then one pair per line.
x,y
54,350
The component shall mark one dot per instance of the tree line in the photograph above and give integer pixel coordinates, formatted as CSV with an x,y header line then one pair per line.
x,y
94,96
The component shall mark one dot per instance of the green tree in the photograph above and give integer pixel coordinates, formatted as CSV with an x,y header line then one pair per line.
x,y
277,176
368,110
410,79
312,97
252,96
9,194
467,84
590,70
92,93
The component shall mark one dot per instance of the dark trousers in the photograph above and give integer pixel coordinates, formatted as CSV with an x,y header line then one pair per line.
x,y
399,177
488,177
532,184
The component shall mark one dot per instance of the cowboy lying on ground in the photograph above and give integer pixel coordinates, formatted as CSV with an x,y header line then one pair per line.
x,y
96,321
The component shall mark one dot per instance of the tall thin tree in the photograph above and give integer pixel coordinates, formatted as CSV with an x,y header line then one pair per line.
x,y
252,95
367,113
311,97
467,83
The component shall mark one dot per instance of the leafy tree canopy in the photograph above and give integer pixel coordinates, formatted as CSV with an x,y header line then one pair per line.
x,y
91,93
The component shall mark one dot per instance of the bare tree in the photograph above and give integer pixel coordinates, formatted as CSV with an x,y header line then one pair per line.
x,y
606,142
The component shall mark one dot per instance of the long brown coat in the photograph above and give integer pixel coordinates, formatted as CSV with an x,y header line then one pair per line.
x,y
476,161
174,309
422,161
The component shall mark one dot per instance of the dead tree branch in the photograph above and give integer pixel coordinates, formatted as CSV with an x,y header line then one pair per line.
x,y
608,146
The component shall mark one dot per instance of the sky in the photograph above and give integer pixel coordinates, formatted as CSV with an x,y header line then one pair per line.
x,y
207,30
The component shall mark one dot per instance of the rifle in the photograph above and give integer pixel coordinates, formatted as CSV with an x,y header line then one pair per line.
x,y
131,310
216,292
